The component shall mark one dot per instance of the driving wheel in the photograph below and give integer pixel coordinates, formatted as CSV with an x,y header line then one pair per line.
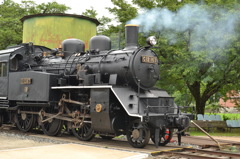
x,y
53,126
24,121
138,135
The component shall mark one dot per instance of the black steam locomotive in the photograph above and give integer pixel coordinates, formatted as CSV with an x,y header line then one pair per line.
x,y
100,91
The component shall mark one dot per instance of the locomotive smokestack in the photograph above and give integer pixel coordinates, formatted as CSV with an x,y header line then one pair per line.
x,y
131,35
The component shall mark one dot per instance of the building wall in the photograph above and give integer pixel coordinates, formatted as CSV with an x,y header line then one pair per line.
x,y
234,97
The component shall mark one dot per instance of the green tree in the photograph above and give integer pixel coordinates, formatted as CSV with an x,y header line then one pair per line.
x,y
92,13
203,71
11,13
51,7
10,25
123,11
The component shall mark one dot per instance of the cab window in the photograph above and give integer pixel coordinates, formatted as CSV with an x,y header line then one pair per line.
x,y
3,69
14,64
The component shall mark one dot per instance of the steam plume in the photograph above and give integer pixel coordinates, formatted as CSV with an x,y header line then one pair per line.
x,y
213,27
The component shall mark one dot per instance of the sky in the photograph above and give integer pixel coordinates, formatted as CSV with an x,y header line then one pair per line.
x,y
79,6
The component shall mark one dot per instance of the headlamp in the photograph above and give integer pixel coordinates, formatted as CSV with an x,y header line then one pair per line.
x,y
152,40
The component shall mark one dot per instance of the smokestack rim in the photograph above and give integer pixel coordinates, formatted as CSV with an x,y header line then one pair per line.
x,y
134,25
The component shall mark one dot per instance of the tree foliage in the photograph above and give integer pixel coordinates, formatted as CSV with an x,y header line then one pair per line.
x,y
123,11
92,13
11,13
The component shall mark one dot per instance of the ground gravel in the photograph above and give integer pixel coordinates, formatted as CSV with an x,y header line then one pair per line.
x,y
11,140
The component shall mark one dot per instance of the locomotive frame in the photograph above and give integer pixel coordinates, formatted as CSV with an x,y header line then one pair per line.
x,y
101,91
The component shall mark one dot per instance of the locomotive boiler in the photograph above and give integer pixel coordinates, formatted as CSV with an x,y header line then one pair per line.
x,y
99,91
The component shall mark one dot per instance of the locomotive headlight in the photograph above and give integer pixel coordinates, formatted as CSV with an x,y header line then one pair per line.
x,y
152,40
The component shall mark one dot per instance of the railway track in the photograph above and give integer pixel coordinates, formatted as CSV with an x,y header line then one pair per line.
x,y
169,151
205,140
191,153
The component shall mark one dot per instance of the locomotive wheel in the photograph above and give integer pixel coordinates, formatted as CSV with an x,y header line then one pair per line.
x,y
84,133
52,127
165,137
24,121
138,135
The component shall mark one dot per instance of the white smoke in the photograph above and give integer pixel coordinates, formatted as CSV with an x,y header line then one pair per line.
x,y
208,28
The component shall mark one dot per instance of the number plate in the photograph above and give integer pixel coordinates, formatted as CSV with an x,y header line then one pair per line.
x,y
26,81
149,59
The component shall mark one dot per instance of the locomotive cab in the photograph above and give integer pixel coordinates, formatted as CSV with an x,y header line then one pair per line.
x,y
9,61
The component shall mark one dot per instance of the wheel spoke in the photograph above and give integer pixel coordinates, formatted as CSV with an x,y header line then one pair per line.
x,y
47,126
25,124
82,131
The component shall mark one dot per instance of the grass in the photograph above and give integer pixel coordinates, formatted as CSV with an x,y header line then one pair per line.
x,y
227,116
234,133
216,132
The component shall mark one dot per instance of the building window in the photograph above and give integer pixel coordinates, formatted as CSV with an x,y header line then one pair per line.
x,y
3,69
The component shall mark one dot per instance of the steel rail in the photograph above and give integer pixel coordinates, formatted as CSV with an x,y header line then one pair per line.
x,y
200,153
188,155
228,154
